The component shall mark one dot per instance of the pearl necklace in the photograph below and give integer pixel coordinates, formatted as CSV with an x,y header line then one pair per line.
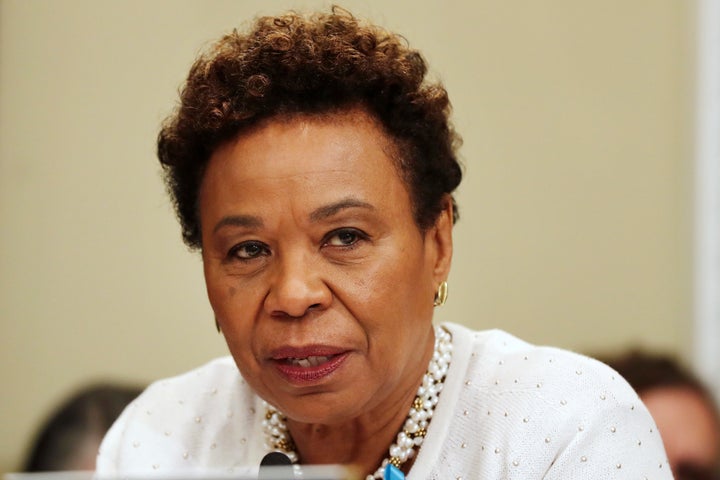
x,y
412,434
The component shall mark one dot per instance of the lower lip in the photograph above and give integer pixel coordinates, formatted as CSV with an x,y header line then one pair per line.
x,y
307,375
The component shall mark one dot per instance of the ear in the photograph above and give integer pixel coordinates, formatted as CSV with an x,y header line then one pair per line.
x,y
440,235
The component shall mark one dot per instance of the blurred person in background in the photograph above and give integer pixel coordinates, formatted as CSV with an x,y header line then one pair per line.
x,y
69,439
683,408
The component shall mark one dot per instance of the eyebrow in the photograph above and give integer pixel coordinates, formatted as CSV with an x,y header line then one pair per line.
x,y
247,221
319,214
328,211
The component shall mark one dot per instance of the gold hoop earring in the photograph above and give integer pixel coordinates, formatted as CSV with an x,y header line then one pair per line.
x,y
441,294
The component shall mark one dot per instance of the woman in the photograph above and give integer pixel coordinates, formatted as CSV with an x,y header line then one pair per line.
x,y
313,165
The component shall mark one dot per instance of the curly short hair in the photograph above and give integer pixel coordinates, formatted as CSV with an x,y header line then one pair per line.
x,y
311,64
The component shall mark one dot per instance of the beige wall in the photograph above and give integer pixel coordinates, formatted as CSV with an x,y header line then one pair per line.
x,y
575,226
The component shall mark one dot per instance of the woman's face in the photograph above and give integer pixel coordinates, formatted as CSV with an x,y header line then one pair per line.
x,y
318,275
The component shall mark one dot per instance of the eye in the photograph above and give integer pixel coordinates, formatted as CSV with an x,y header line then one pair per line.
x,y
344,237
248,250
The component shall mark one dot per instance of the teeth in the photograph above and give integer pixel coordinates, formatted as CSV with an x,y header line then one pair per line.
x,y
312,361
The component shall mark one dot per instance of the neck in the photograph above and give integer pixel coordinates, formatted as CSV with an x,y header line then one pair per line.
x,y
363,441
405,411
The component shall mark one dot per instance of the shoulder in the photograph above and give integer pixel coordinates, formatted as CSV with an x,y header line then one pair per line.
x,y
504,362
203,381
572,415
212,384
180,422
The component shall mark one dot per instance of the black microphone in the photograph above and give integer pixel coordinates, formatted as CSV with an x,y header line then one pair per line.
x,y
276,466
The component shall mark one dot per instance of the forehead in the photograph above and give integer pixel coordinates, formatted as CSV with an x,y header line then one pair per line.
x,y
340,133
309,157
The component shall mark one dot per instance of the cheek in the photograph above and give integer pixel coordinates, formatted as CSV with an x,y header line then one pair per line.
x,y
393,286
232,305
366,287
219,294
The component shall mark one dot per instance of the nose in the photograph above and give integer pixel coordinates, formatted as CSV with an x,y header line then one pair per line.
x,y
296,288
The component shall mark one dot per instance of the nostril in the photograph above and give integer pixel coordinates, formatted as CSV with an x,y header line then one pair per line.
x,y
289,315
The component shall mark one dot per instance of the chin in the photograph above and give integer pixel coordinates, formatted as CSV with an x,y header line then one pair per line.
x,y
322,408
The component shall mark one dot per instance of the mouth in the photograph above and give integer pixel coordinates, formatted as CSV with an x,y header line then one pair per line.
x,y
310,361
308,365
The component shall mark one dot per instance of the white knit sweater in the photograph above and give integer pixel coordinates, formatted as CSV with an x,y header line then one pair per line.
x,y
508,410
